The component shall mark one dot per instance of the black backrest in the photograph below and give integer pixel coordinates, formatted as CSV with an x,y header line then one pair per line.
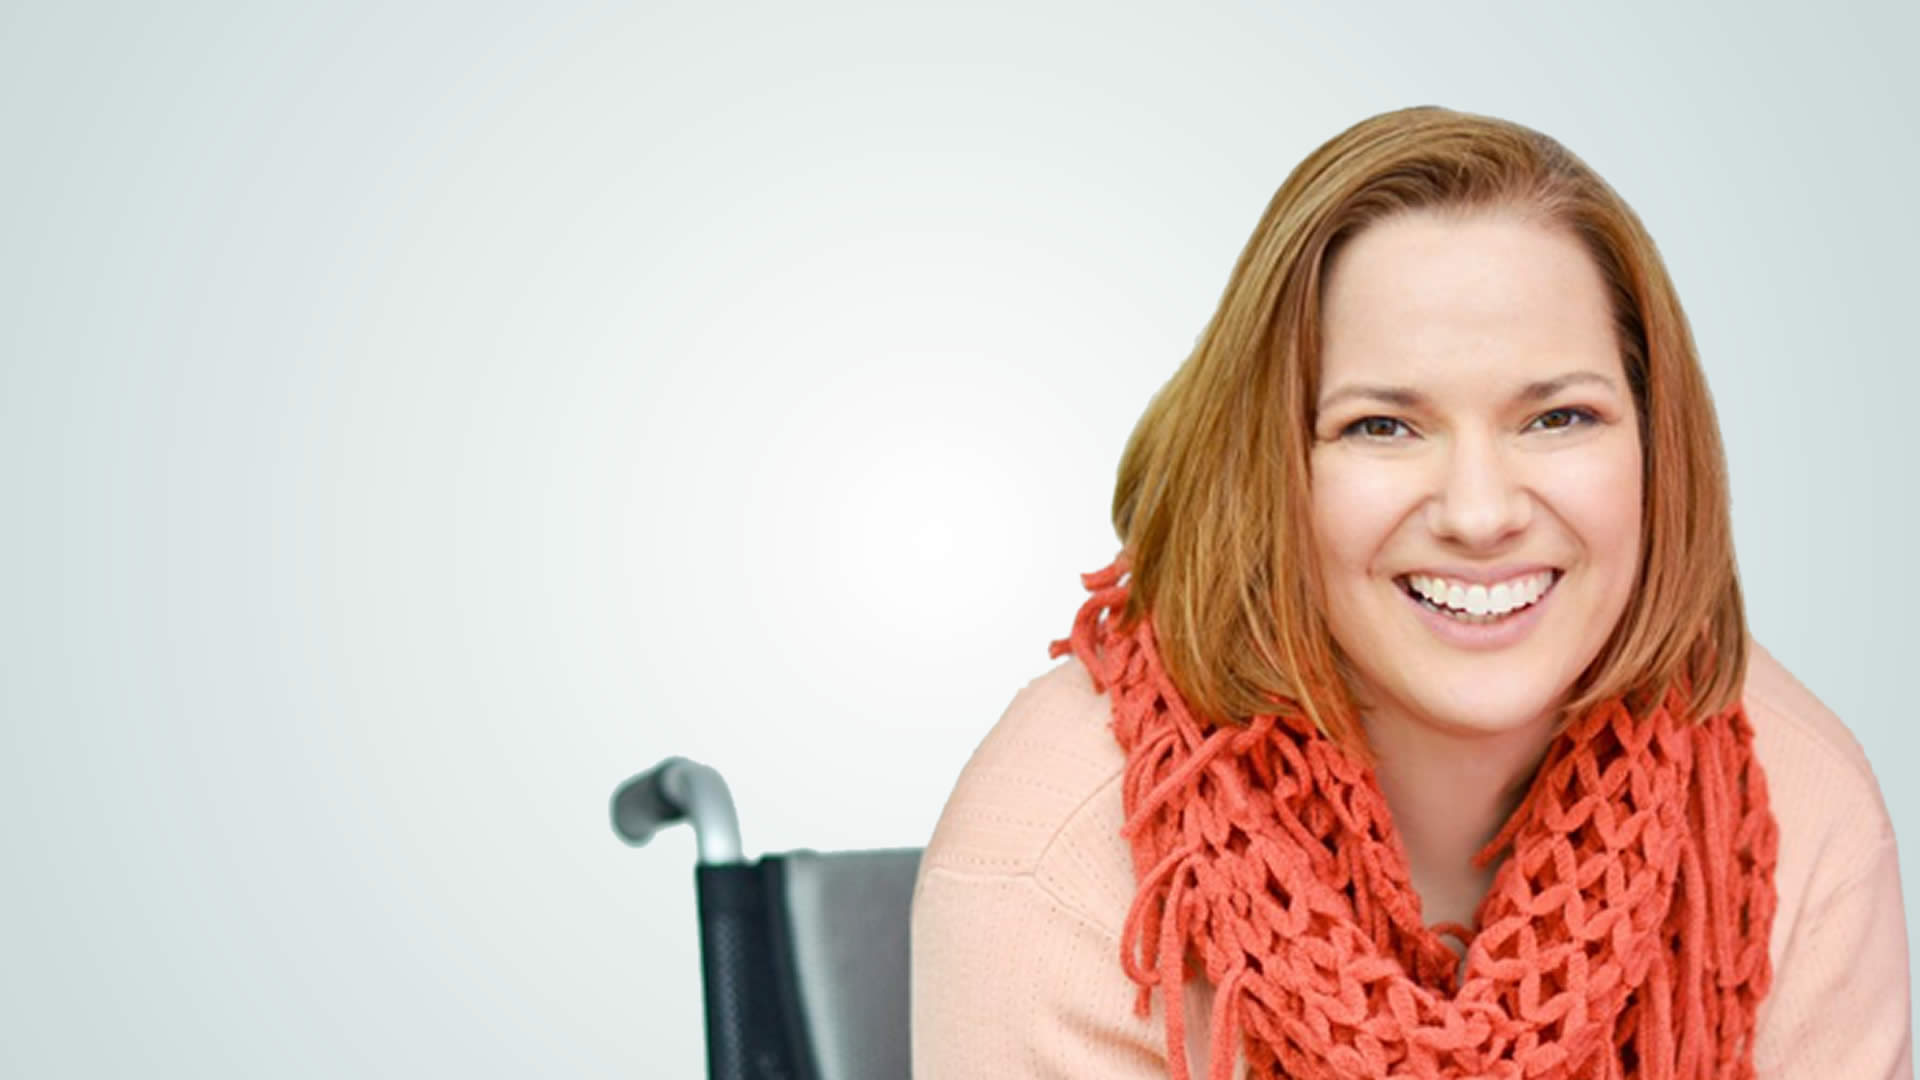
x,y
805,960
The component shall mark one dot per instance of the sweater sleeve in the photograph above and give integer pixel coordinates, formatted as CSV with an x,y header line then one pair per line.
x,y
1011,982
1839,1005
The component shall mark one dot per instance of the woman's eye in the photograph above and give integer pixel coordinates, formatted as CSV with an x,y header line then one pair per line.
x,y
1574,417
1373,427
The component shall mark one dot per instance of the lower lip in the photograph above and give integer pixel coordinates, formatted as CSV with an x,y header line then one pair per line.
x,y
1486,636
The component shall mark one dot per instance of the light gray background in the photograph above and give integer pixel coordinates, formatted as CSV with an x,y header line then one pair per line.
x,y
418,417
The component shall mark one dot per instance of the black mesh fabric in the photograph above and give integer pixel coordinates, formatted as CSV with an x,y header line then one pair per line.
x,y
753,1030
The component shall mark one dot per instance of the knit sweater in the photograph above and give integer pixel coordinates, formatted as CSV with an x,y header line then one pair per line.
x,y
1026,883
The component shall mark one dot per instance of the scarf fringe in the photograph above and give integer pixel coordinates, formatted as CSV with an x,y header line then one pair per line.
x,y
1626,936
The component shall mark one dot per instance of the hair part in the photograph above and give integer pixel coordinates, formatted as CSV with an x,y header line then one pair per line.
x,y
1212,500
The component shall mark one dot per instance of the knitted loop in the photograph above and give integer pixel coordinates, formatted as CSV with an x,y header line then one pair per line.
x,y
1625,934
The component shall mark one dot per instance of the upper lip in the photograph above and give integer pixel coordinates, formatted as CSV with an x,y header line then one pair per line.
x,y
1481,575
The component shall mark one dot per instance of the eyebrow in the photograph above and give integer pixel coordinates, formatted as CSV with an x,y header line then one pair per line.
x,y
1408,398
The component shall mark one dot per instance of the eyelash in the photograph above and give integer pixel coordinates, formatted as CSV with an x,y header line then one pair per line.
x,y
1587,415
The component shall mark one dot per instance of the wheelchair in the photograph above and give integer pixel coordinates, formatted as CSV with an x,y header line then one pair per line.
x,y
803,953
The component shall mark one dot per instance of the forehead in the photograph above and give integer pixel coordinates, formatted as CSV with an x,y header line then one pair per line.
x,y
1429,300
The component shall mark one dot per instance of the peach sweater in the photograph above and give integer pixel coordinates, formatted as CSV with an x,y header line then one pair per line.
x,y
1026,882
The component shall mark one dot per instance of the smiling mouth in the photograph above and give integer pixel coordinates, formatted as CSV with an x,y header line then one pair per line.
x,y
1468,618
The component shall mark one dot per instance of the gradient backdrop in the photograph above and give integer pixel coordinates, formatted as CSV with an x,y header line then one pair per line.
x,y
417,417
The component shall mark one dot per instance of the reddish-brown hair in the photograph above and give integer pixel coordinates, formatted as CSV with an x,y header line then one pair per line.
x,y
1212,499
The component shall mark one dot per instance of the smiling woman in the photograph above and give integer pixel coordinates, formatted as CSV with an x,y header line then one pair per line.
x,y
1467,502
1416,730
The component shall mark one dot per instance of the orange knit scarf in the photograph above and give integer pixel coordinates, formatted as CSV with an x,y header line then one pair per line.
x,y
1625,936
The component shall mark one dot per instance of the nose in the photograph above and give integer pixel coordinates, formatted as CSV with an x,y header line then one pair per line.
x,y
1480,501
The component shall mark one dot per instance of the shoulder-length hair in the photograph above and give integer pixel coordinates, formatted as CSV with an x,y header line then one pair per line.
x,y
1212,500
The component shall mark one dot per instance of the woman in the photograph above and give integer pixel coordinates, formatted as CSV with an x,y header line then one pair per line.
x,y
1416,730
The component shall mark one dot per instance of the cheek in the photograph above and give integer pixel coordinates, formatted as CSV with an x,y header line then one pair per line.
x,y
1599,496
1354,512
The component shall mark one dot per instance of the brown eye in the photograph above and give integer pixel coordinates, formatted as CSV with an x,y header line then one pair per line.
x,y
1574,417
1372,427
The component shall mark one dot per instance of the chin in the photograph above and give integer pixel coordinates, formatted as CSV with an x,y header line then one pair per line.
x,y
1472,712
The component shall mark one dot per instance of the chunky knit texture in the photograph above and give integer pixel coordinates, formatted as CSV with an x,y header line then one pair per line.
x,y
1625,934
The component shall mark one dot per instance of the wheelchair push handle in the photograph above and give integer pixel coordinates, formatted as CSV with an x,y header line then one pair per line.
x,y
678,790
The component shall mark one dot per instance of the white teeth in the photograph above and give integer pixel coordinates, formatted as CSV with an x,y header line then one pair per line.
x,y
1479,600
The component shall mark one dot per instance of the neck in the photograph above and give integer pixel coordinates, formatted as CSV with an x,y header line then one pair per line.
x,y
1450,792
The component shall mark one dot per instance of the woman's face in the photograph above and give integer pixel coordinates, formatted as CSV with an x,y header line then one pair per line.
x,y
1474,426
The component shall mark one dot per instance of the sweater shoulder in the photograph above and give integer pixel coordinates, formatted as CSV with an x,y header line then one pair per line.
x,y
1041,796
1816,771
1787,714
1825,799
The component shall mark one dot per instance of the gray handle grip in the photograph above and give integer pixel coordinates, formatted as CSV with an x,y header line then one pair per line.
x,y
679,790
641,806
